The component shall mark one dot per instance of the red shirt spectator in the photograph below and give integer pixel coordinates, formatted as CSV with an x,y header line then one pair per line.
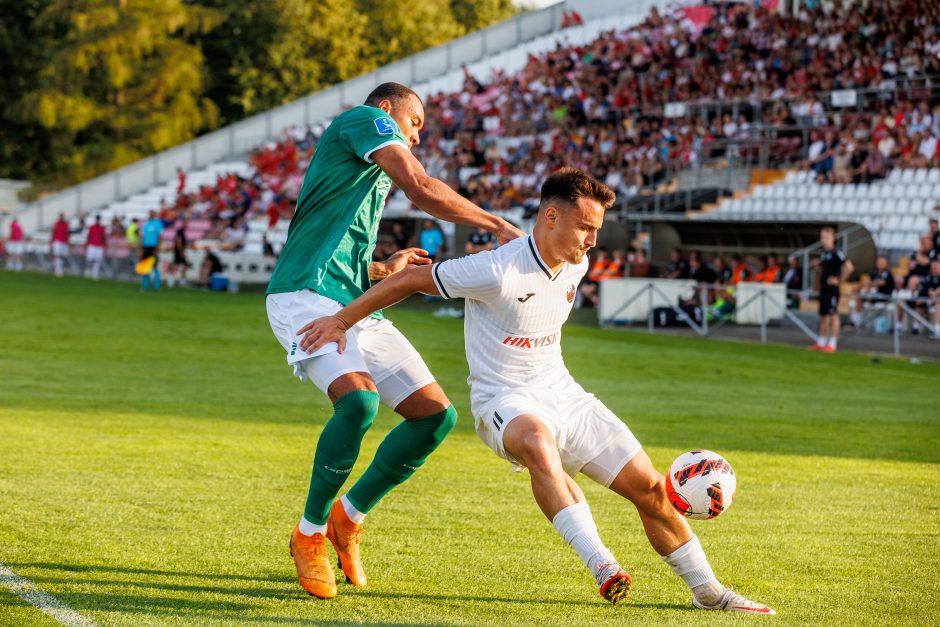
x,y
16,232
96,235
181,178
60,231
274,214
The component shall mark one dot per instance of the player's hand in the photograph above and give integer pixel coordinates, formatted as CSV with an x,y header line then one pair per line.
x,y
321,332
404,258
508,233
833,280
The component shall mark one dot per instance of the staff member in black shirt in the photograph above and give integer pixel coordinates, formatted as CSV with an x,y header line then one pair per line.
x,y
833,266
880,288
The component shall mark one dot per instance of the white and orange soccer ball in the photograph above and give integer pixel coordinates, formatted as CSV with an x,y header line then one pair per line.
x,y
701,484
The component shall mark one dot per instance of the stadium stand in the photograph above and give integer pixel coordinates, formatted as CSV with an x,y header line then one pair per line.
x,y
640,101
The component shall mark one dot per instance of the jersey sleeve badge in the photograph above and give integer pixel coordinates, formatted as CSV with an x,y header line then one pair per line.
x,y
385,125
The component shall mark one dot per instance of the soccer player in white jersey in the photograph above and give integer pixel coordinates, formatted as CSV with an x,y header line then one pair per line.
x,y
527,407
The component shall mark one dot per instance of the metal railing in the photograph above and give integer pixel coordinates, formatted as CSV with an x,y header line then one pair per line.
x,y
243,136
899,306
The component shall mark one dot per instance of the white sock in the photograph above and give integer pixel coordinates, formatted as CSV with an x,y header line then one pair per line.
x,y
690,563
354,514
832,342
576,525
821,341
856,318
308,528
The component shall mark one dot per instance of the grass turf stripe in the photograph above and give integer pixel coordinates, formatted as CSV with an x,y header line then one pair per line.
x,y
43,601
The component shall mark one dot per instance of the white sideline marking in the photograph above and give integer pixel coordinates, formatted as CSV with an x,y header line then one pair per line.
x,y
44,602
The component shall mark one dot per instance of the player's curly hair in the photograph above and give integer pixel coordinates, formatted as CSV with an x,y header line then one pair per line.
x,y
568,185
396,92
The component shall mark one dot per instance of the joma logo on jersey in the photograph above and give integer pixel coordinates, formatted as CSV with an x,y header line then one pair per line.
x,y
530,342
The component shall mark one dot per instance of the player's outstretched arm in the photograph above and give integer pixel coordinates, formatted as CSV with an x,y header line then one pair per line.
x,y
402,259
434,196
395,288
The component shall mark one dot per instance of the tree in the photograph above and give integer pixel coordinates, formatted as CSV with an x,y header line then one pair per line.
x,y
398,29
23,145
476,14
264,54
121,82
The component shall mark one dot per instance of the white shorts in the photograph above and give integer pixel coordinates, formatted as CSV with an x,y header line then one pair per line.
x,y
94,253
590,438
14,248
60,249
373,346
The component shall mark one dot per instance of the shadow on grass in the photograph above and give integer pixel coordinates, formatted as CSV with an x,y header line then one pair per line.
x,y
524,601
282,589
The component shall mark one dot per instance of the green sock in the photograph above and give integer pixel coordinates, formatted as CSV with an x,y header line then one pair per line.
x,y
400,454
337,450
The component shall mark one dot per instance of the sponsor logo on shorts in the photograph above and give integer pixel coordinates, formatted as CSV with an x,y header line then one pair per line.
x,y
531,342
293,349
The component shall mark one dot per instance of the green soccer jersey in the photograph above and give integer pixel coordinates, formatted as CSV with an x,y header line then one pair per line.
x,y
333,232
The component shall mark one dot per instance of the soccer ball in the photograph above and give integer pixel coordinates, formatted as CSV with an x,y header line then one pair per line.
x,y
701,484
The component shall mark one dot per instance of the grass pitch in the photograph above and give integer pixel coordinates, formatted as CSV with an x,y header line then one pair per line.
x,y
155,453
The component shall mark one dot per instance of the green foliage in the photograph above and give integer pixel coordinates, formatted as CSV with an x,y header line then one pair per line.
x,y
91,85
476,14
399,29
120,82
264,54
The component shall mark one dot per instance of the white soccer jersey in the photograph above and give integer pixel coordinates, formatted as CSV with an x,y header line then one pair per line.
x,y
515,307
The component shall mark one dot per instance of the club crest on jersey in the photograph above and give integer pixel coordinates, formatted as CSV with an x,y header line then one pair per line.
x,y
385,126
570,294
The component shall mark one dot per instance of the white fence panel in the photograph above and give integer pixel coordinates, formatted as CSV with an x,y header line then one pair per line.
x,y
616,294
747,295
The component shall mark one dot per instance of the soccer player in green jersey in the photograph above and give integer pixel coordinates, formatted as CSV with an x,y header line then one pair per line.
x,y
325,264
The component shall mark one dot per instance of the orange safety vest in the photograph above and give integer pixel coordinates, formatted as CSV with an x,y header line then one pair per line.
x,y
597,269
614,270
741,273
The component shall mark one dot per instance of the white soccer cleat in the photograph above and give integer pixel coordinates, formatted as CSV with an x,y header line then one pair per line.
x,y
731,601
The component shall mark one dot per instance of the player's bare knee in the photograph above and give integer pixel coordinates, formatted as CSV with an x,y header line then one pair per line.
x,y
538,451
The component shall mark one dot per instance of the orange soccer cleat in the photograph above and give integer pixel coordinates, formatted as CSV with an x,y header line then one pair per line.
x,y
313,566
617,587
346,537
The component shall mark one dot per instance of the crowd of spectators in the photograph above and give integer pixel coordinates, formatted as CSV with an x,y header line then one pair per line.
x,y
898,136
603,106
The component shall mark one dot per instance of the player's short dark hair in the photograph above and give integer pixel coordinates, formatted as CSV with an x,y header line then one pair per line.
x,y
828,227
569,185
396,92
